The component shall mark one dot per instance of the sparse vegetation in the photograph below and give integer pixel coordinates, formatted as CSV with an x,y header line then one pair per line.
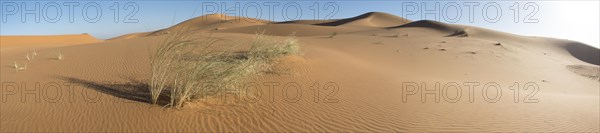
x,y
27,56
184,66
460,33
395,35
442,49
592,72
19,68
60,56
23,68
498,44
333,35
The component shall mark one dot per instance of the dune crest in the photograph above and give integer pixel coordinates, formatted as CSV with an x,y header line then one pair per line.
x,y
370,19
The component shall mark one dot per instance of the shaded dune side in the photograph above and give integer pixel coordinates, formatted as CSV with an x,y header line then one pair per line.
x,y
308,22
372,19
428,24
584,52
290,29
576,50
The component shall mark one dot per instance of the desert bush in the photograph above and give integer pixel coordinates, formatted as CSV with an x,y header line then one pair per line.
x,y
184,66
163,61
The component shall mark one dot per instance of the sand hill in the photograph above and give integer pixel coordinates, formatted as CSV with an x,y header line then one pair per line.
x,y
56,39
370,60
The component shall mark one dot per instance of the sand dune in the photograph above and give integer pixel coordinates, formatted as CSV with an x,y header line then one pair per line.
x,y
212,22
56,39
130,36
374,19
289,29
370,59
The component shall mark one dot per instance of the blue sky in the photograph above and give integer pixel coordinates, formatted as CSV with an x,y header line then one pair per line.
x,y
573,20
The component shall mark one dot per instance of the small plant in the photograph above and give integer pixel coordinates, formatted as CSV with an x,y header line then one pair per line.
x,y
442,49
17,68
34,53
443,42
333,35
60,56
426,48
498,44
460,33
15,65
27,56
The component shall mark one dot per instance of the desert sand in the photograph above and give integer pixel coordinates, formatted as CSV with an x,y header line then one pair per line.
x,y
99,85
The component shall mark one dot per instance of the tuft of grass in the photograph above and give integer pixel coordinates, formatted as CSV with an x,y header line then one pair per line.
x,y
34,53
15,65
460,33
18,68
27,56
60,56
498,44
184,66
163,61
333,34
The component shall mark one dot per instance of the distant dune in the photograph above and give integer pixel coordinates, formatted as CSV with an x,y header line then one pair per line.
x,y
47,39
371,19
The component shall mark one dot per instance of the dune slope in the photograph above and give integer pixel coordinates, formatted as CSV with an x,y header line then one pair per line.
x,y
353,82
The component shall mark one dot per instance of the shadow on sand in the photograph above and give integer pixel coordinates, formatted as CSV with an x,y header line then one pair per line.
x,y
132,90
